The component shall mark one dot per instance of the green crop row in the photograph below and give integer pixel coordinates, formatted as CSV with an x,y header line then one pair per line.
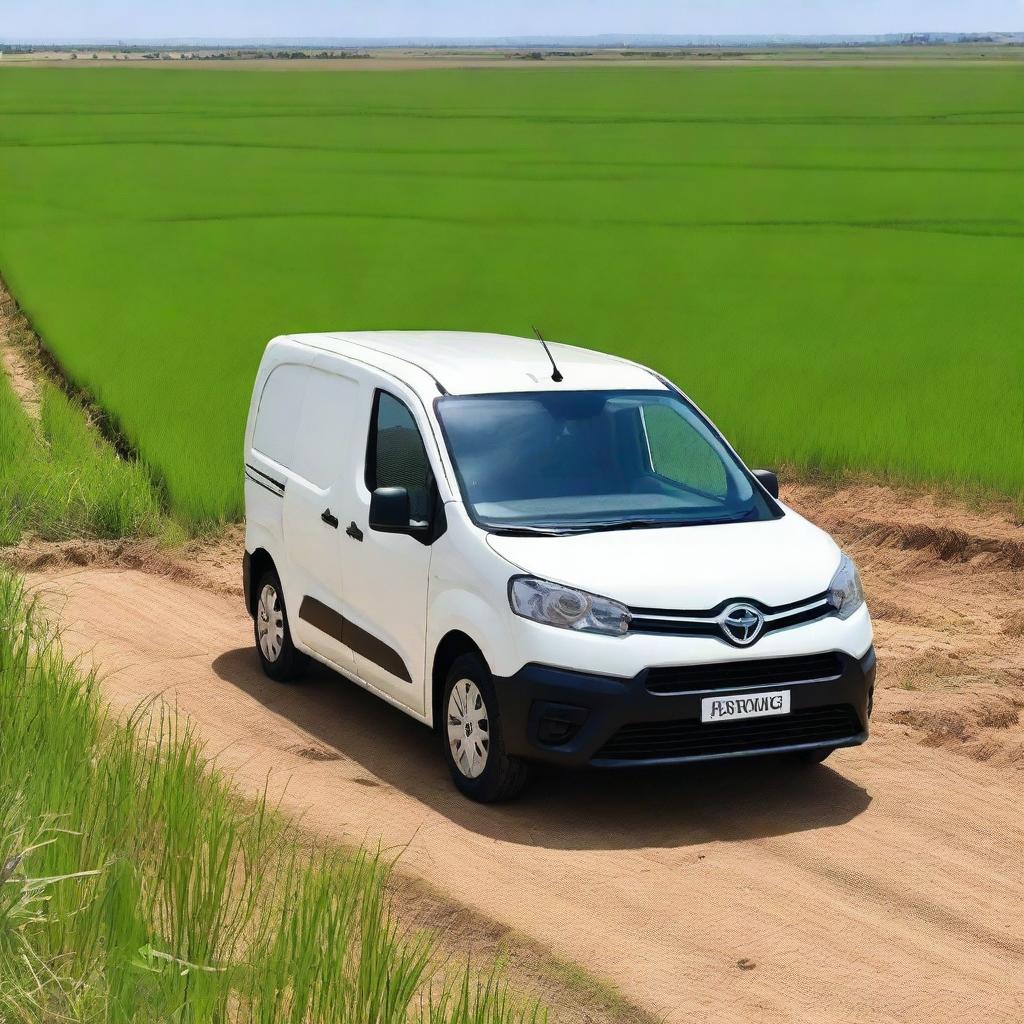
x,y
827,259
59,479
135,887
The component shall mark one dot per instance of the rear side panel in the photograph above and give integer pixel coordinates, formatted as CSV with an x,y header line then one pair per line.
x,y
265,482
298,441
317,490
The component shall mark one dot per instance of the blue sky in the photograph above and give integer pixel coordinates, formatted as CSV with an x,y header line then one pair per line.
x,y
247,18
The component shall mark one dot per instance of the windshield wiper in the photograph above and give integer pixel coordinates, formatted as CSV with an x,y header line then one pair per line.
x,y
643,524
613,524
529,531
632,524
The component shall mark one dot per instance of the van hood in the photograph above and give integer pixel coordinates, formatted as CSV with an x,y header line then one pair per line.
x,y
691,567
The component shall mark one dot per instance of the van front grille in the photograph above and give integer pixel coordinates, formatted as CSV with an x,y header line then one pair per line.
x,y
730,675
710,621
650,741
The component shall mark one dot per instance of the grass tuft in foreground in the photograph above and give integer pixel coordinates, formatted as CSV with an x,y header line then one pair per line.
x,y
135,887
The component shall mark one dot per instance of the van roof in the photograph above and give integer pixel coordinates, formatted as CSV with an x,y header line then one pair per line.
x,y
465,363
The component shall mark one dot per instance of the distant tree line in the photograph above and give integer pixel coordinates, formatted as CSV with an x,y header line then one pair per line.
x,y
147,53
271,55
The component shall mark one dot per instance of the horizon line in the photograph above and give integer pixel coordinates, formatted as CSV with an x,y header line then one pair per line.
x,y
515,39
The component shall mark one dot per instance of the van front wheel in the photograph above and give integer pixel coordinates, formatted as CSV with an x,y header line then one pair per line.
x,y
471,730
279,657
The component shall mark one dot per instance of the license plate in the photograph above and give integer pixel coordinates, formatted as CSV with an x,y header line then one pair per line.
x,y
744,705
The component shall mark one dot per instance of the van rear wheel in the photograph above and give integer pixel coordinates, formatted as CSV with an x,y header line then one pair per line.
x,y
278,656
471,730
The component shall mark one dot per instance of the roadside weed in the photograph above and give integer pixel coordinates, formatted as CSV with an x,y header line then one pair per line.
x,y
136,887
59,479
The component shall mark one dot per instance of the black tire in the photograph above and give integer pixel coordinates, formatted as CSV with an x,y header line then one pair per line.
x,y
503,776
815,756
281,661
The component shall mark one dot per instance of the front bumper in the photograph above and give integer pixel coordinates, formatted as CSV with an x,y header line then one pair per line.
x,y
576,718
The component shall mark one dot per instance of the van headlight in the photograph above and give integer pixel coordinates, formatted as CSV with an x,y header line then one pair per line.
x,y
565,607
845,593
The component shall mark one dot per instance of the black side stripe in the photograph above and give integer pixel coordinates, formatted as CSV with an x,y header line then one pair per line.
x,y
328,621
266,487
276,483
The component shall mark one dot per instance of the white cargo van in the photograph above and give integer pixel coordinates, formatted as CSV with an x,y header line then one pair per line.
x,y
547,554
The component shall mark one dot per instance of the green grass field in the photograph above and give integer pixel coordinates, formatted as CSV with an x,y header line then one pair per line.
x,y
829,260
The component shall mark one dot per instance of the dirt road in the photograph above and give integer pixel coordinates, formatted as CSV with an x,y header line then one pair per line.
x,y
885,886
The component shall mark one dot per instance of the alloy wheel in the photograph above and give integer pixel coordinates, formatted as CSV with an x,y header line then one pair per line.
x,y
270,623
468,729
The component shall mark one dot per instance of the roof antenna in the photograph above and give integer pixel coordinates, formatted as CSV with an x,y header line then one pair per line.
x,y
556,376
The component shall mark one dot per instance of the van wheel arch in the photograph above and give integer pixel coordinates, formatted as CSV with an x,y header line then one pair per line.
x,y
454,644
260,562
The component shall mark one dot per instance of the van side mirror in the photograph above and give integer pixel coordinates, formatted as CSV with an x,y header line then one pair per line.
x,y
768,480
389,511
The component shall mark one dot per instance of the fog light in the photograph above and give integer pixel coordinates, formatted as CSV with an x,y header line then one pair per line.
x,y
558,724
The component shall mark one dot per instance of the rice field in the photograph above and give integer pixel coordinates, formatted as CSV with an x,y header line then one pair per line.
x,y
59,479
135,887
828,260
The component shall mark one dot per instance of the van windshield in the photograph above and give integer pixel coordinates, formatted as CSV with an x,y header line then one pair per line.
x,y
576,461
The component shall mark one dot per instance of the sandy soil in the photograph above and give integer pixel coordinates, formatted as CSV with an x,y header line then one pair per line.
x,y
946,590
24,379
885,886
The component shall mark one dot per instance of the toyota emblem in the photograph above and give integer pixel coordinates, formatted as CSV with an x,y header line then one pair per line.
x,y
742,624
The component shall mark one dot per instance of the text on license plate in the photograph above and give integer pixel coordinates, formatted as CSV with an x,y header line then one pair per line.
x,y
751,705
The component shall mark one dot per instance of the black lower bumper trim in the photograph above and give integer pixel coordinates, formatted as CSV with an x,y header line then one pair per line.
x,y
658,741
575,718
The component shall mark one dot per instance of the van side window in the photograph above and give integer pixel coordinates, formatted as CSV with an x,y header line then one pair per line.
x,y
395,456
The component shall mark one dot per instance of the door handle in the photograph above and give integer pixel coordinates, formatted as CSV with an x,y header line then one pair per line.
x,y
331,521
354,532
